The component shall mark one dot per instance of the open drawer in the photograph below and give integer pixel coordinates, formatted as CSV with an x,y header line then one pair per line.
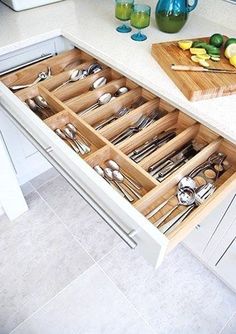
x,y
125,198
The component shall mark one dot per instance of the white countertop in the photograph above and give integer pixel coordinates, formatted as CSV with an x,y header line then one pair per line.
x,y
91,25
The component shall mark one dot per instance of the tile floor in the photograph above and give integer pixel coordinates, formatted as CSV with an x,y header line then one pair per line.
x,y
62,270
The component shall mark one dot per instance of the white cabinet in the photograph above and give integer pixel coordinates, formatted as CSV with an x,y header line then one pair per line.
x,y
223,259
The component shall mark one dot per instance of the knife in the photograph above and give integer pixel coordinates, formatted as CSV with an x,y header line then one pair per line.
x,y
200,69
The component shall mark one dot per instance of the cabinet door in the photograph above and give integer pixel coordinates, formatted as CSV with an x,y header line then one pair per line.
x,y
27,161
204,238
223,261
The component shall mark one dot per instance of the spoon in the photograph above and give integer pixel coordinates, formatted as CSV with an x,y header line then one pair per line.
x,y
100,82
185,196
94,68
73,128
72,136
185,182
75,75
122,90
109,174
114,166
33,106
103,99
120,179
100,172
63,136
41,102
41,76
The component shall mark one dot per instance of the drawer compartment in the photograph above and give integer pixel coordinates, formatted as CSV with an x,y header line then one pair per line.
x,y
129,218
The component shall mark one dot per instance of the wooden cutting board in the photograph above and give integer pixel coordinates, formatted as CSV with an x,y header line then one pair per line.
x,y
195,85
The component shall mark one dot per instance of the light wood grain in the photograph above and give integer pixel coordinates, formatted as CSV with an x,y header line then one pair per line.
x,y
194,85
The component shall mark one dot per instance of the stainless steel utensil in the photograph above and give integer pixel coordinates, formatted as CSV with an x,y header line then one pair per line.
x,y
201,69
75,75
201,194
73,128
103,99
185,196
109,174
72,135
98,83
41,76
60,133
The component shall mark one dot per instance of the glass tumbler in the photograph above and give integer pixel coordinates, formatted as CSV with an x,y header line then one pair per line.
x,y
140,19
123,12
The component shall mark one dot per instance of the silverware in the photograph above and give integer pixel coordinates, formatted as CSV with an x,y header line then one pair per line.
x,y
177,160
151,146
214,159
201,194
100,172
109,174
94,68
76,131
60,133
185,196
39,106
72,135
98,83
41,76
138,126
114,166
103,99
201,69
120,113
75,75
120,179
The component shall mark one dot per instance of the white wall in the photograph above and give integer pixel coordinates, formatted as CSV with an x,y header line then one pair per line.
x,y
219,11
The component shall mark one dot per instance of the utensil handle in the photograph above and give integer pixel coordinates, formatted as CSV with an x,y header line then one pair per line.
x,y
61,85
163,218
188,68
169,168
176,220
193,6
125,193
158,208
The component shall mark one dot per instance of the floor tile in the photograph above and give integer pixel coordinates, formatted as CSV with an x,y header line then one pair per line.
x,y
230,328
83,222
44,177
38,258
27,188
92,304
182,297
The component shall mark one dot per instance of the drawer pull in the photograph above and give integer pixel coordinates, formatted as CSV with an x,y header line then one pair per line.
x,y
31,62
49,149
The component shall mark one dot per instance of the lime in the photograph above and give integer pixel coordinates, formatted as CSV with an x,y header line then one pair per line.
x,y
230,41
217,40
230,51
185,45
214,58
232,60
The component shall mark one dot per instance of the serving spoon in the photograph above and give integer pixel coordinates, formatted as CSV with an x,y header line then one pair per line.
x,y
75,75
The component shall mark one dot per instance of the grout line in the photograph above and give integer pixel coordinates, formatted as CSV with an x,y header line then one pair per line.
x,y
127,299
45,182
50,300
227,322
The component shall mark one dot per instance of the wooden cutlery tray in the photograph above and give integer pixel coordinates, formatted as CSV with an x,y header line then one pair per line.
x,y
68,102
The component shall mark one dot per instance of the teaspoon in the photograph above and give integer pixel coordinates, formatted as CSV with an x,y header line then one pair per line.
x,y
100,172
120,178
103,99
100,82
109,174
63,136
72,136
74,76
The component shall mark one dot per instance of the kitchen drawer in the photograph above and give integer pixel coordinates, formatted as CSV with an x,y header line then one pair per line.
x,y
67,106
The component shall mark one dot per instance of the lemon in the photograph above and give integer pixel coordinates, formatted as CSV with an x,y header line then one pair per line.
x,y
232,60
230,51
185,45
197,51
195,59
204,63
205,57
